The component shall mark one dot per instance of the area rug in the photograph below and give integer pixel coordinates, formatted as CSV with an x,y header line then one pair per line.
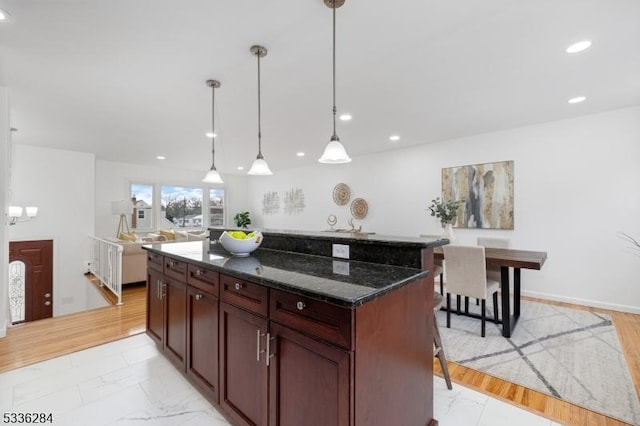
x,y
568,353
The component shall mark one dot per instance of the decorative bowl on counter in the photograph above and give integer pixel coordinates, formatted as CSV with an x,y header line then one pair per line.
x,y
239,243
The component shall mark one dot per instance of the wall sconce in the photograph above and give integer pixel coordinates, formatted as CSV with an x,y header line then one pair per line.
x,y
15,213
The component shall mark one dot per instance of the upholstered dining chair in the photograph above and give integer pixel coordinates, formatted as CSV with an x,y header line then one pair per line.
x,y
467,276
438,269
494,273
438,349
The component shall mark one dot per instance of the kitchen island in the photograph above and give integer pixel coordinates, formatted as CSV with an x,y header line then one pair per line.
x,y
287,337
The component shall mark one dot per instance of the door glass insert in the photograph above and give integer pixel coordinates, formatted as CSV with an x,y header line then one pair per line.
x,y
17,278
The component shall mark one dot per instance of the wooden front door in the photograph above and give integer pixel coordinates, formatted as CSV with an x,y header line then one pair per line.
x,y
37,257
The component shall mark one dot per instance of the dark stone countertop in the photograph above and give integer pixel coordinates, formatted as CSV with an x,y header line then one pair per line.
x,y
340,282
370,248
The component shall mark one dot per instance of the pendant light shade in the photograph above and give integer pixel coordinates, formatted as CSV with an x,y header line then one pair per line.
x,y
259,166
212,175
334,153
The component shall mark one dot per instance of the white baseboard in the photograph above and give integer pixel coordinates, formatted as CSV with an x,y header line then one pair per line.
x,y
584,302
3,328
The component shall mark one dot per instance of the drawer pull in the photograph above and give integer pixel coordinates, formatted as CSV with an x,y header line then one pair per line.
x,y
238,286
199,296
47,303
300,305
198,272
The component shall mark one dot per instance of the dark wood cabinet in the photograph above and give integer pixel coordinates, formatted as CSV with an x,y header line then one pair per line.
x,y
175,343
155,305
202,340
167,307
243,367
269,357
309,381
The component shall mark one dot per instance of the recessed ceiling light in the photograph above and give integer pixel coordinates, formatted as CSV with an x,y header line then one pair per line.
x,y
240,168
4,16
300,154
211,135
161,157
577,99
394,138
579,46
345,117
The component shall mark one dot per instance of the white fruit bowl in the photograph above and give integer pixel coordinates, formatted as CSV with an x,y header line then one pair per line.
x,y
240,247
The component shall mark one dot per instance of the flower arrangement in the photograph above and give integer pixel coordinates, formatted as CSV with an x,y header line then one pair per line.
x,y
445,211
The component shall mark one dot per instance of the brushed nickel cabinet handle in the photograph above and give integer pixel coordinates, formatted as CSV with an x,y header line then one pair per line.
x,y
48,295
238,286
301,305
199,296
258,345
198,272
47,303
269,354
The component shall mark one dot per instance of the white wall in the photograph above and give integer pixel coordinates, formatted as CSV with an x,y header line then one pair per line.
x,y
5,166
576,185
113,182
61,184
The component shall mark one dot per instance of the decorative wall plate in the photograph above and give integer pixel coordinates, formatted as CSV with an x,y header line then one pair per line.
x,y
359,208
341,194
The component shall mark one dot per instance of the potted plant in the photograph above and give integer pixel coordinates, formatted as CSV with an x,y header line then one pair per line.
x,y
447,212
242,220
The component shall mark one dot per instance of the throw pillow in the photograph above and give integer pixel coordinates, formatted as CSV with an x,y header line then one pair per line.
x,y
181,235
128,236
168,234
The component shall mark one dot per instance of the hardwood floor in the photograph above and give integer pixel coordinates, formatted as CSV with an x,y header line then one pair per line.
x,y
37,341
41,340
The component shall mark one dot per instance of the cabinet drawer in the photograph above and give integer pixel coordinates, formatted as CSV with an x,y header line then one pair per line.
x,y
155,261
204,279
175,269
244,294
312,317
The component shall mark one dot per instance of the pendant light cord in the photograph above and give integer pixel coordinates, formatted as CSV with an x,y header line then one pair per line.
x,y
259,127
213,128
334,71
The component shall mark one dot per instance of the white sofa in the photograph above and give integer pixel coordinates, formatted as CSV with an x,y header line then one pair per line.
x,y
134,257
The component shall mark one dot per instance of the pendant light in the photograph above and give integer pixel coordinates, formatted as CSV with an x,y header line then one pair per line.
x,y
212,175
334,153
259,166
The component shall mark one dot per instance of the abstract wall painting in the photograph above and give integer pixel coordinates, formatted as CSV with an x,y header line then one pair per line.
x,y
294,201
488,193
270,203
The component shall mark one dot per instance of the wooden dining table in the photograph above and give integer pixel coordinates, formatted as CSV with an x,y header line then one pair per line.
x,y
505,259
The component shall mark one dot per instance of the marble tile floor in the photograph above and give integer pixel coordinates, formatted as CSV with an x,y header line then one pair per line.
x,y
127,382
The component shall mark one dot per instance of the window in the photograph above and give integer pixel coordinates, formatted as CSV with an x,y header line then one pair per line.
x,y
181,207
142,197
17,279
216,207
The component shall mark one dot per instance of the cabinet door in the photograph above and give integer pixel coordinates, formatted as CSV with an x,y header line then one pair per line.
x,y
243,369
202,340
155,306
175,344
309,381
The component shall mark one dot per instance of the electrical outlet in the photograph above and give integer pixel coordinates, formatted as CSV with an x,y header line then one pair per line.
x,y
341,251
340,267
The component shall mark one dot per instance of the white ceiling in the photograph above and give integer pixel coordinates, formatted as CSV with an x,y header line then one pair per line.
x,y
125,79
